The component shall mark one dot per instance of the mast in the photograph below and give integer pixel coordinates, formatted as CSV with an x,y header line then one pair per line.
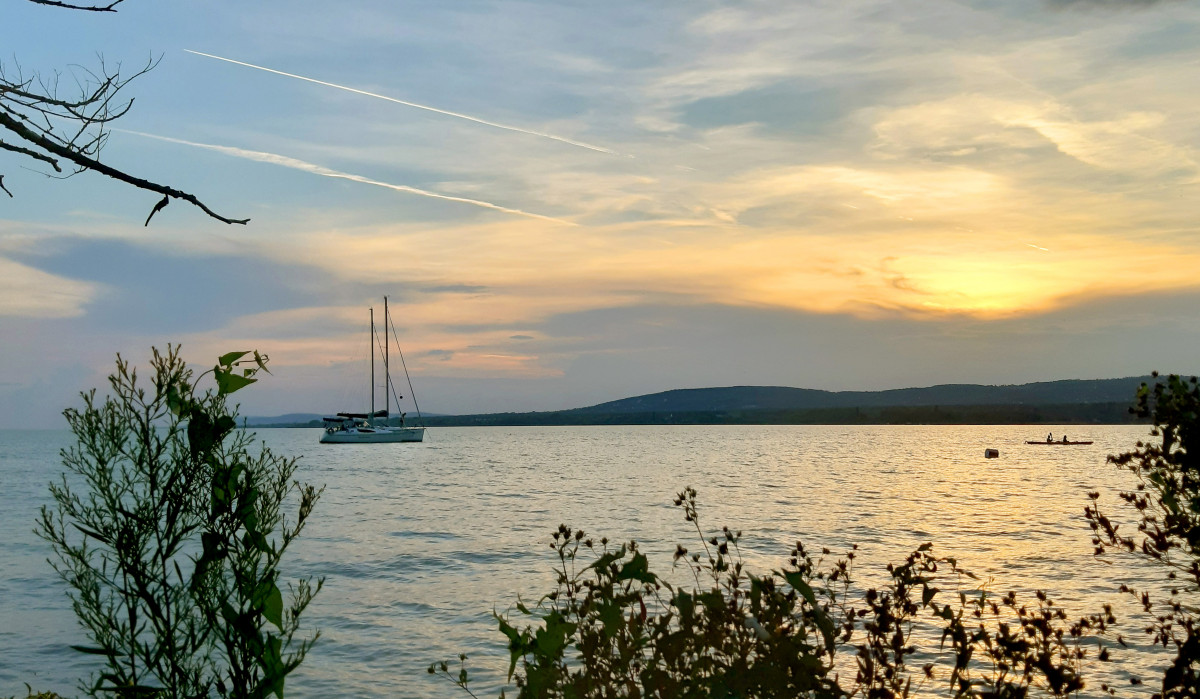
x,y
370,415
387,377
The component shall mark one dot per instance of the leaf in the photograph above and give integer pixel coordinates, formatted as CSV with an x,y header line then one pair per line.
x,y
229,382
601,564
225,425
553,638
516,649
927,595
214,549
610,616
203,433
638,568
261,361
176,402
796,580
95,535
256,540
229,358
273,607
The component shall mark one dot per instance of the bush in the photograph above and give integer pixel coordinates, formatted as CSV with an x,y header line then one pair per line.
x,y
171,534
1167,506
613,628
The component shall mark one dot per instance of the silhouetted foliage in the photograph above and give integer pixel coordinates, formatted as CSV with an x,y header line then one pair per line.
x,y
170,536
67,132
38,695
613,628
1167,505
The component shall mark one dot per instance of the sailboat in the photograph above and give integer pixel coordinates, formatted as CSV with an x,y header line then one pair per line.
x,y
362,428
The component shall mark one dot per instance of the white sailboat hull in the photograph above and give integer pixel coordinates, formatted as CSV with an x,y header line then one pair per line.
x,y
374,435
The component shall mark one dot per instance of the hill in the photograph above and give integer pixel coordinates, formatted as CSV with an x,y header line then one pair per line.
x,y
1053,402
288,420
736,398
1098,401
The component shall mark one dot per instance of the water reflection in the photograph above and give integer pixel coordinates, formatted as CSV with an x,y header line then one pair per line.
x,y
420,542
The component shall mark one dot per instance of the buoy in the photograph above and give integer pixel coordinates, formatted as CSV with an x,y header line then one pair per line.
x,y
991,453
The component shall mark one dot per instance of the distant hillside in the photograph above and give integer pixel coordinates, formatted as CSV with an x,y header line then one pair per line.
x,y
289,420
737,398
1058,414
1054,402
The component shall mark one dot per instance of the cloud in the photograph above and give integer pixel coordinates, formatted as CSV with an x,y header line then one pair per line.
x,y
29,292
1107,4
963,125
295,164
477,120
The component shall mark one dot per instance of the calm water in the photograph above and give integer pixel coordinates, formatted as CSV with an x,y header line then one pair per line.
x,y
420,542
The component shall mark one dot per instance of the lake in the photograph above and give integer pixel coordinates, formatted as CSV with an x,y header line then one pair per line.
x,y
418,543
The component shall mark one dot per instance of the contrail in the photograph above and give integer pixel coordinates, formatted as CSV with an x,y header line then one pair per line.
x,y
285,161
427,108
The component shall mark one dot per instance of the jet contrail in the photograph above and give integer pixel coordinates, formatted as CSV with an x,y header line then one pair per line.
x,y
427,108
285,161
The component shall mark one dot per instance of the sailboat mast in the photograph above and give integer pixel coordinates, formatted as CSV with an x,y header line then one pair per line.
x,y
387,377
371,415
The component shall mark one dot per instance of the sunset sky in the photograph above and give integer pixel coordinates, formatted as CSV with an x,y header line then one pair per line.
x,y
572,202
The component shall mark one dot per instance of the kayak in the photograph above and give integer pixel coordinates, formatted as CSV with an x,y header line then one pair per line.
x,y
1060,442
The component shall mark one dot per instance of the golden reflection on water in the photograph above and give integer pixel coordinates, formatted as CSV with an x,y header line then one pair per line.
x,y
419,543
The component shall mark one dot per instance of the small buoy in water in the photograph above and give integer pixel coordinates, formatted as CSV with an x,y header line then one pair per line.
x,y
991,453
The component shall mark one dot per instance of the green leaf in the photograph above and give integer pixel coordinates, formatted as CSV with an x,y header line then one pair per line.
x,y
261,361
95,535
601,564
229,358
796,580
638,568
273,607
214,546
255,539
204,433
516,648
611,617
229,382
554,637
225,425
176,402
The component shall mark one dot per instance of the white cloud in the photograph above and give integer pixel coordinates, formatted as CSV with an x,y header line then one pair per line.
x,y
964,124
296,164
29,292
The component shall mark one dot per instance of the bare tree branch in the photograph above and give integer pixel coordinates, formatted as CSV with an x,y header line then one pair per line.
x,y
111,7
51,129
33,154
86,163
162,204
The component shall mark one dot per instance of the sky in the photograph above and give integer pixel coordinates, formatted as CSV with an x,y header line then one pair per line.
x,y
573,202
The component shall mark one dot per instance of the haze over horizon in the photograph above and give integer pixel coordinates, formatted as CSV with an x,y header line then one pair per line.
x,y
570,203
